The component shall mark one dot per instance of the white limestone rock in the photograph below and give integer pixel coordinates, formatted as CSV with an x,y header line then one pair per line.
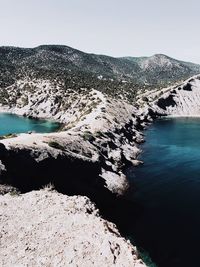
x,y
45,228
181,100
115,182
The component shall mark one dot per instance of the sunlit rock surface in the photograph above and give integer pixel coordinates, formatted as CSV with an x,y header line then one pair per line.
x,y
45,228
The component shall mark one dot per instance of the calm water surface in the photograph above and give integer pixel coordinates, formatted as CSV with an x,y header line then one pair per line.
x,y
10,123
168,190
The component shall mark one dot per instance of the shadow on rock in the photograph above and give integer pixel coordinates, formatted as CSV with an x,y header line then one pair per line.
x,y
69,175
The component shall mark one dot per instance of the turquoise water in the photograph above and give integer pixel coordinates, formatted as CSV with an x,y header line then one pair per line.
x,y
167,188
10,123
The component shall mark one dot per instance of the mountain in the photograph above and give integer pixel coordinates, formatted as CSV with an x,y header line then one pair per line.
x,y
76,69
65,59
160,68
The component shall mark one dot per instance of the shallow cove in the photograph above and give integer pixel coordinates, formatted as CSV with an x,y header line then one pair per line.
x,y
167,187
10,123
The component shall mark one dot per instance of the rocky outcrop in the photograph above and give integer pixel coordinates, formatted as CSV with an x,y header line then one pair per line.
x,y
180,100
87,158
29,168
101,145
65,231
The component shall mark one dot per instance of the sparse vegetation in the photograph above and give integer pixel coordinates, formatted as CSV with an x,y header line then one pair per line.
x,y
119,78
14,192
10,135
88,136
55,145
49,187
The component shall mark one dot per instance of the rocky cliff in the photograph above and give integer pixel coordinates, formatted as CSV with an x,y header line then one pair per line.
x,y
44,228
87,156
98,129
180,100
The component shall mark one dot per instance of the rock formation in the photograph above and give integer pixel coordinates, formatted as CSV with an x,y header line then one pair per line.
x,y
180,100
45,228
104,139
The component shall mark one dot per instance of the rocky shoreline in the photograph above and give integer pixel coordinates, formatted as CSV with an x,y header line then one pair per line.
x,y
87,159
89,155
108,137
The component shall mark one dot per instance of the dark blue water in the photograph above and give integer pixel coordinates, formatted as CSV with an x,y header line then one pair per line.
x,y
10,123
167,187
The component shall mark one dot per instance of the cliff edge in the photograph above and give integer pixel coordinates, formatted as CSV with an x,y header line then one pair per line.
x,y
65,231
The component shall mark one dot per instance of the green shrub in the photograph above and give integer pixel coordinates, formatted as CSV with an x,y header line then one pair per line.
x,y
55,145
144,98
87,136
10,135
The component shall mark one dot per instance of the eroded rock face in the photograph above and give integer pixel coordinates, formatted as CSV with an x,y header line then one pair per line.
x,y
99,148
180,100
29,168
65,231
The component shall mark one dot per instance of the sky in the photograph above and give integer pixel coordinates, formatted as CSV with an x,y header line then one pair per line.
x,y
112,27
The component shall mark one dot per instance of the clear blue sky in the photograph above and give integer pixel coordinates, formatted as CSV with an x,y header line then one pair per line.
x,y
112,27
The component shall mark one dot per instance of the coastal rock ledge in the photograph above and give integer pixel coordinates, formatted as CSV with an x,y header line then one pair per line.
x,y
65,231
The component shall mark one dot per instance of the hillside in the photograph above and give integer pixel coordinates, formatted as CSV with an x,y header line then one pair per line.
x,y
182,100
163,70
74,69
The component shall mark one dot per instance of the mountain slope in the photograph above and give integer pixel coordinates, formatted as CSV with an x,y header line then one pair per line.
x,y
161,69
80,69
180,100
